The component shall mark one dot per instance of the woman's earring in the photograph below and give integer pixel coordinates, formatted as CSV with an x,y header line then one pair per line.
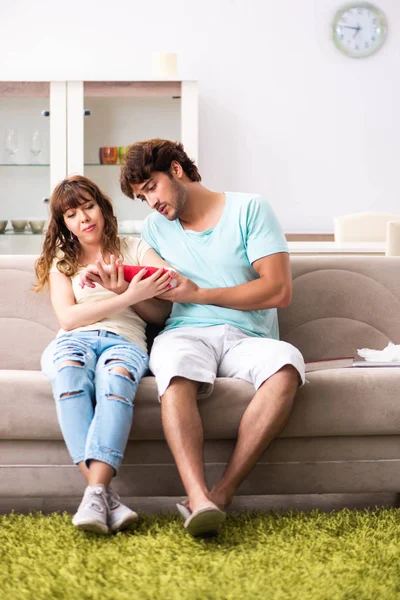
x,y
71,235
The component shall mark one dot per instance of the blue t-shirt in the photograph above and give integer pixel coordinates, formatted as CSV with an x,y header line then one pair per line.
x,y
221,257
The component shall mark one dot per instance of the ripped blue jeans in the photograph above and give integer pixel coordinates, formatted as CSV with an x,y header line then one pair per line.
x,y
94,403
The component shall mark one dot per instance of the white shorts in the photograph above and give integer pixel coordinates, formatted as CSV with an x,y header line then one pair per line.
x,y
203,353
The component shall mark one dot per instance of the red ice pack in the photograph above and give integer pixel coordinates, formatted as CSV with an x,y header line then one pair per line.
x,y
130,271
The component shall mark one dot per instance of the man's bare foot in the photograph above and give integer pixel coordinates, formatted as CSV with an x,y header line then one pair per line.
x,y
221,498
196,502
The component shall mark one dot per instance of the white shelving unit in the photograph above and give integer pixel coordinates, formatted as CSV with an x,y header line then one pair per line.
x,y
120,112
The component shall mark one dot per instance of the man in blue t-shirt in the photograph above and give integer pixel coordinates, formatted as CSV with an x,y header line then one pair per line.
x,y
234,272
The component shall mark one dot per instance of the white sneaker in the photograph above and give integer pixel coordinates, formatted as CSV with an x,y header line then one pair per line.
x,y
119,516
93,510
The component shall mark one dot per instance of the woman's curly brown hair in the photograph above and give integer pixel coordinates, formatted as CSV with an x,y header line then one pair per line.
x,y
72,192
142,158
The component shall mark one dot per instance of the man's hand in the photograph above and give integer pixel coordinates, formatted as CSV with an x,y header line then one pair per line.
x,y
186,291
110,277
141,288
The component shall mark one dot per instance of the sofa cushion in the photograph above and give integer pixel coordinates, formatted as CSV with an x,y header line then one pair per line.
x,y
336,402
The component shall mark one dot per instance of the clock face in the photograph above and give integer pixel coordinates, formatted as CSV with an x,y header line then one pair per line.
x,y
359,29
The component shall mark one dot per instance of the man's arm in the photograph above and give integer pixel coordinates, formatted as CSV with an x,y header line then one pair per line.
x,y
273,289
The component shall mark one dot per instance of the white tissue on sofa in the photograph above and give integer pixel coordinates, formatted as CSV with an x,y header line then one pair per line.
x,y
388,354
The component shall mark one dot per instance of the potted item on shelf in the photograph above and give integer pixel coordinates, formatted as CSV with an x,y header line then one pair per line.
x,y
37,226
121,153
3,225
19,225
108,155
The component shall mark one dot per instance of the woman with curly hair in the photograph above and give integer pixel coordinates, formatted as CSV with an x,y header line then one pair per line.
x,y
100,354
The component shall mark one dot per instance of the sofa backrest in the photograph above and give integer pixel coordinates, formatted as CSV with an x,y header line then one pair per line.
x,y
27,320
340,303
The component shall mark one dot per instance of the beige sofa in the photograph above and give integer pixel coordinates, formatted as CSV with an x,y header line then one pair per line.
x,y
343,435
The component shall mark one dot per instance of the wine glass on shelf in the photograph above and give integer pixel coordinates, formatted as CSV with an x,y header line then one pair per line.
x,y
11,144
36,146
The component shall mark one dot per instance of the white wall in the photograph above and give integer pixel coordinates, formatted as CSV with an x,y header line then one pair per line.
x,y
282,112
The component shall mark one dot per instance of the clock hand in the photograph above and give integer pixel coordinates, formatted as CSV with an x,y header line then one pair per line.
x,y
358,29
349,27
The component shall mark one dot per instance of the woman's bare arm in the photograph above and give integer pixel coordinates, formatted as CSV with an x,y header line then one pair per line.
x,y
154,310
72,315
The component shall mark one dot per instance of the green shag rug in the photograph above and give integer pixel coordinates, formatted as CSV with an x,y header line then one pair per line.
x,y
293,555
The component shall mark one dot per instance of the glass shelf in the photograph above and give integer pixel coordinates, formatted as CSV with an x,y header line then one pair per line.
x,y
12,232
47,165
23,165
28,232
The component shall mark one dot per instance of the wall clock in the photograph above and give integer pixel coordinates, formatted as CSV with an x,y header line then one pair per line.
x,y
359,29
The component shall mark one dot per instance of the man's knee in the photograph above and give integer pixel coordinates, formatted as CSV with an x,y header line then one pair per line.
x,y
181,387
287,378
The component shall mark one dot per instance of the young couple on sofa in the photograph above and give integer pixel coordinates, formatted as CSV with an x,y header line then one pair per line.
x,y
230,259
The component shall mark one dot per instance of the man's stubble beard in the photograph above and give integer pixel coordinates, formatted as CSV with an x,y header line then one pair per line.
x,y
180,200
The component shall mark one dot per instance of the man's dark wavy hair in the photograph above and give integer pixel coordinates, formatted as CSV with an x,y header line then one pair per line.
x,y
143,158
